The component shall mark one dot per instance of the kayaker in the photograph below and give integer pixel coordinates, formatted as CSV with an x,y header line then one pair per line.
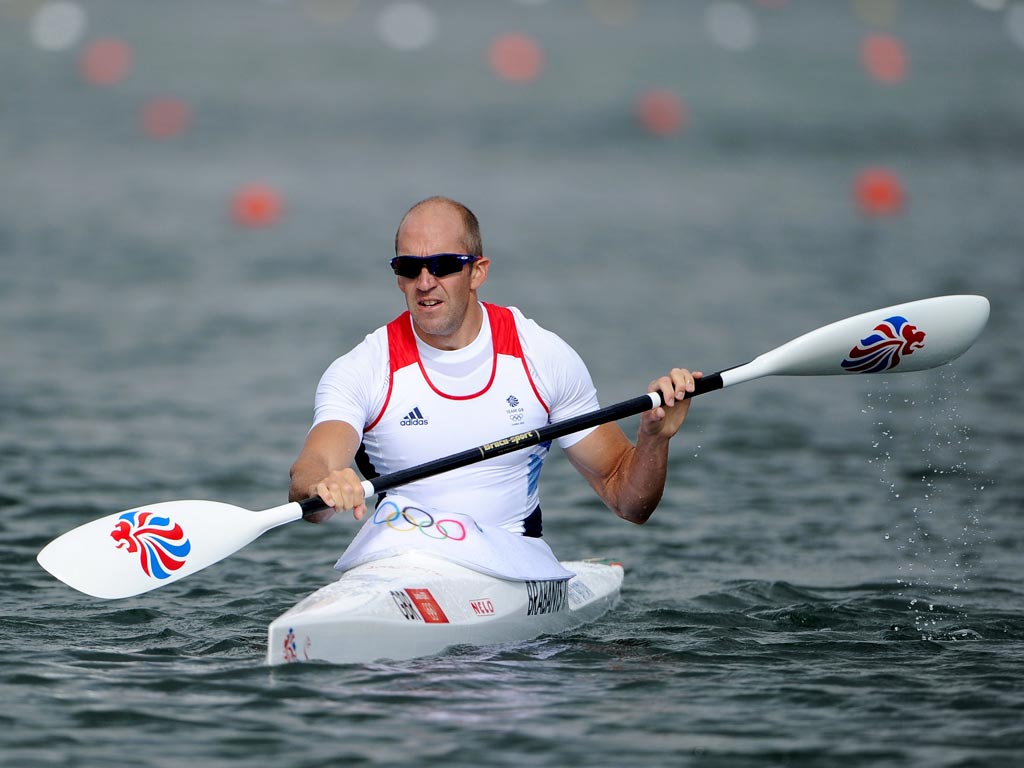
x,y
453,372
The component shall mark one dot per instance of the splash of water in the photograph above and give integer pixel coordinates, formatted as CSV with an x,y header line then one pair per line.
x,y
923,456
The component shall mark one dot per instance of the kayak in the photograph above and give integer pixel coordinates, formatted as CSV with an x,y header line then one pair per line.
x,y
419,604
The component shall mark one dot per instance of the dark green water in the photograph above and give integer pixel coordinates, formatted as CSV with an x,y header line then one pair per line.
x,y
835,574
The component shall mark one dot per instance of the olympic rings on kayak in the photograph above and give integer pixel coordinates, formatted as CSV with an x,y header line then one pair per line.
x,y
412,519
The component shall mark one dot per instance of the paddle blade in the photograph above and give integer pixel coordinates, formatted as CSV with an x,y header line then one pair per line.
x,y
141,549
914,336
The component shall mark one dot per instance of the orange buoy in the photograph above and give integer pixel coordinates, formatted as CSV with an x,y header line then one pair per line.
x,y
516,58
879,192
661,112
165,118
256,205
884,57
106,62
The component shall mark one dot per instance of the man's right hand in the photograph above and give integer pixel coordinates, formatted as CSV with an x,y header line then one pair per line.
x,y
341,490
329,444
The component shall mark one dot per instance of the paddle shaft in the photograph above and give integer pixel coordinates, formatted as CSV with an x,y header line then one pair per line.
x,y
512,443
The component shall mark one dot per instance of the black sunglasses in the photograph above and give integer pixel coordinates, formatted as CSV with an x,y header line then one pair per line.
x,y
439,265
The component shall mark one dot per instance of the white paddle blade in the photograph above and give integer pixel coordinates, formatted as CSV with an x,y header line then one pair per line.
x,y
141,549
905,337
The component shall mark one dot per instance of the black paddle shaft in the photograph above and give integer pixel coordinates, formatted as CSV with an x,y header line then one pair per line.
x,y
518,442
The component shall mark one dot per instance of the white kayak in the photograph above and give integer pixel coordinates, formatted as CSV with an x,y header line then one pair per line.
x,y
418,604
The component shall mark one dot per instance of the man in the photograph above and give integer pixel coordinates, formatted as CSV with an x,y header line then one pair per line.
x,y
452,373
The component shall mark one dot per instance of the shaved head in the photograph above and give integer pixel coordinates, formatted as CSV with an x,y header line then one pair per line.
x,y
472,243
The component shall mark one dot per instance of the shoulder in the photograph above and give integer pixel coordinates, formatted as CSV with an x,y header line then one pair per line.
x,y
353,386
550,357
558,370
367,355
536,338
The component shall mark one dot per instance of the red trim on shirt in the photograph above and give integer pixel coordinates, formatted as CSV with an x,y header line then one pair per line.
x,y
506,341
387,399
403,352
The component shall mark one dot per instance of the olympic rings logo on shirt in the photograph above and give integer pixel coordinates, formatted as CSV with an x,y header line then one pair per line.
x,y
415,519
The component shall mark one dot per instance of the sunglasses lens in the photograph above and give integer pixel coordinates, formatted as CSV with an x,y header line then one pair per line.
x,y
405,266
441,265
446,264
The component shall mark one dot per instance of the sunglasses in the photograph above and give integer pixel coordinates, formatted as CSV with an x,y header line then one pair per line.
x,y
439,265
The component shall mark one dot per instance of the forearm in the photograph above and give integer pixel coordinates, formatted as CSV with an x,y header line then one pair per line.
x,y
635,488
330,446
639,479
306,472
629,478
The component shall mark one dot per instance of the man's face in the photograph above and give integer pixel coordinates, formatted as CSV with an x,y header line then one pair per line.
x,y
444,309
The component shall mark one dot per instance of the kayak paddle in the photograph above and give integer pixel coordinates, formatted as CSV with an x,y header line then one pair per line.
x,y
131,552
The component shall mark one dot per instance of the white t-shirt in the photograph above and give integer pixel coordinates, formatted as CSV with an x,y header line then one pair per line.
x,y
438,402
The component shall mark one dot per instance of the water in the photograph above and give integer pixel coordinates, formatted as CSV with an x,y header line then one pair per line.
x,y
834,573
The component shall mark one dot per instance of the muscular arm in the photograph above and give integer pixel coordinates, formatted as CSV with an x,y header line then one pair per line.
x,y
324,468
630,478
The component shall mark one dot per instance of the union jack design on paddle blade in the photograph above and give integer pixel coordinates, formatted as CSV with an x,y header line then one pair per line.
x,y
162,546
882,350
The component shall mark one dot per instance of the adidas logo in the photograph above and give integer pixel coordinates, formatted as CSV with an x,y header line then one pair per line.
x,y
414,419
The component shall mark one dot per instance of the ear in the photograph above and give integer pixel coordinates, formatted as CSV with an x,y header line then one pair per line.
x,y
479,276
